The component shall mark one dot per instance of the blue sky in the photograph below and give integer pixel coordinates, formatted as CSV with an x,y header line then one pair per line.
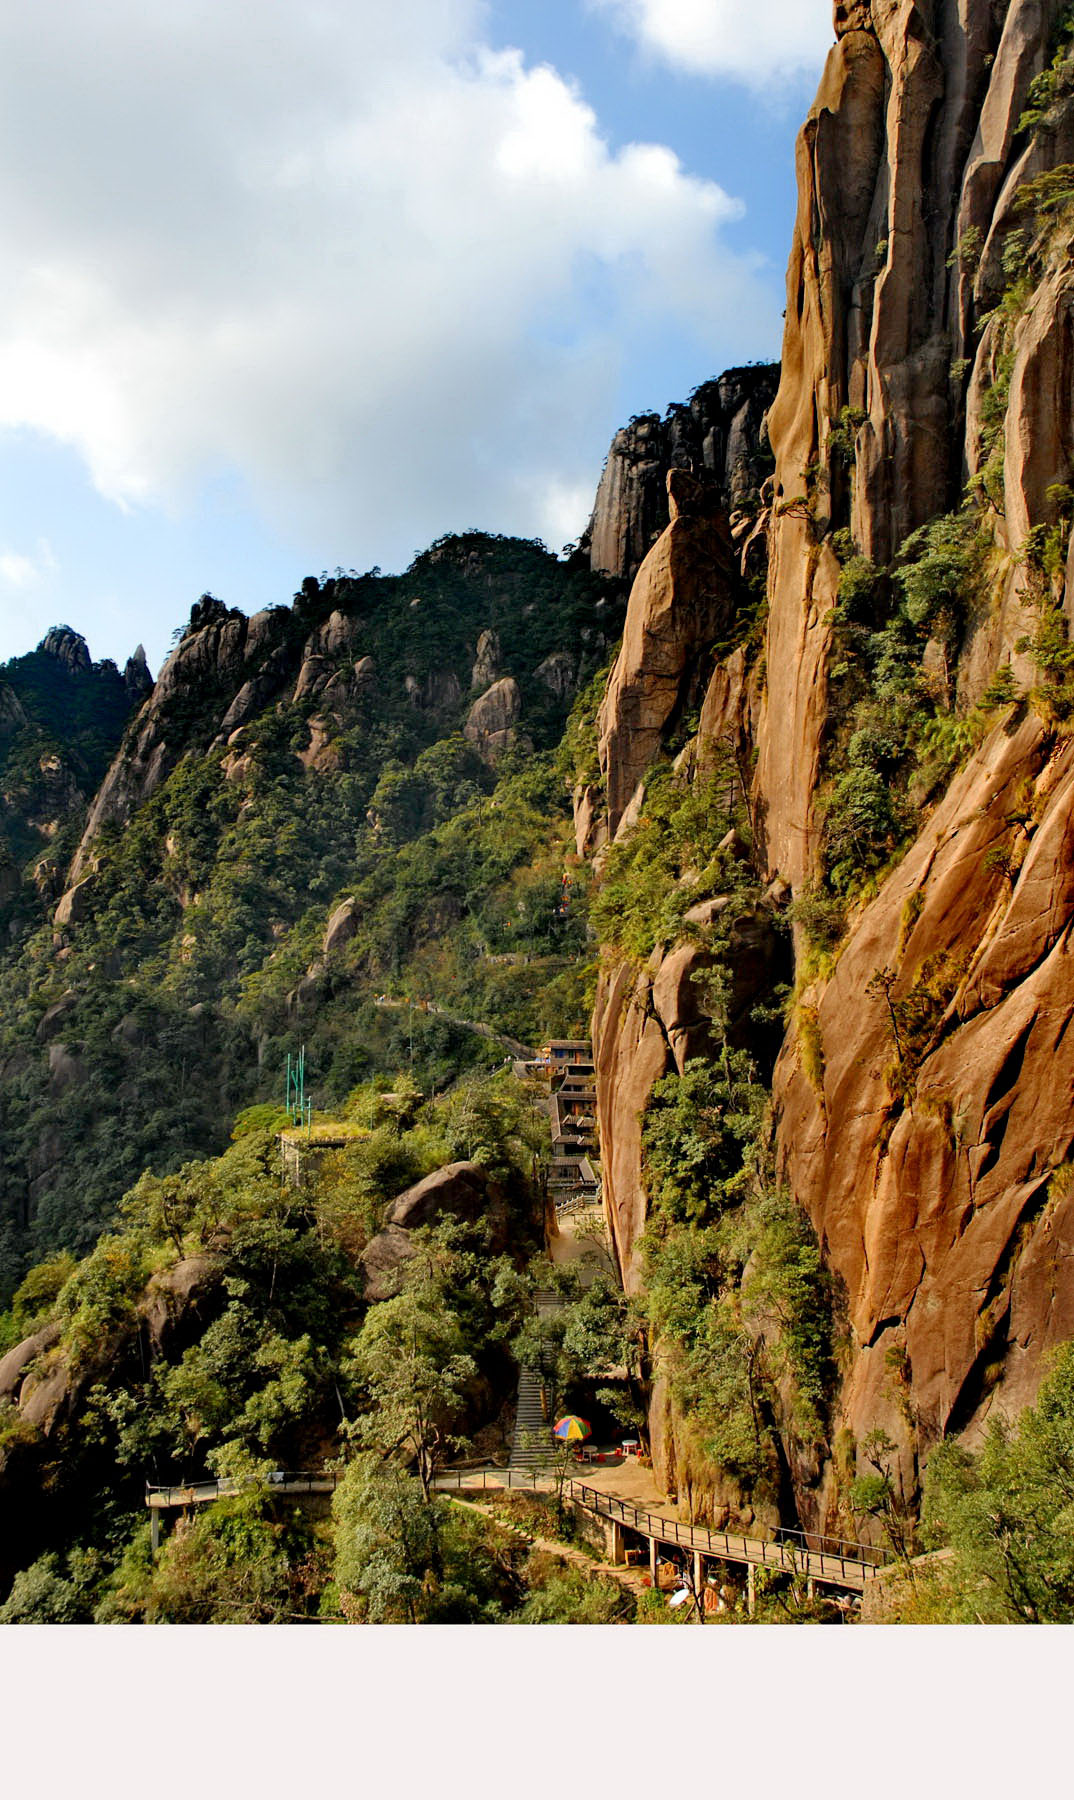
x,y
310,293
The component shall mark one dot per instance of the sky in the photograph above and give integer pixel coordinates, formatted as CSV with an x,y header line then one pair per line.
x,y
307,285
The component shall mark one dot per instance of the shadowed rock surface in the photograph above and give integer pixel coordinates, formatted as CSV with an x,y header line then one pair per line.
x,y
718,435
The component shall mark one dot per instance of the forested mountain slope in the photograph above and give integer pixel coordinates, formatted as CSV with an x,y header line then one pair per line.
x,y
352,794
61,719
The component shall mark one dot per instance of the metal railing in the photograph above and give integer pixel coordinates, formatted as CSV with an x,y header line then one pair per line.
x,y
791,1553
200,1493
794,1552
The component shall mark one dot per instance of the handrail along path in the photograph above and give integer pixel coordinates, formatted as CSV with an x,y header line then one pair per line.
x,y
834,1567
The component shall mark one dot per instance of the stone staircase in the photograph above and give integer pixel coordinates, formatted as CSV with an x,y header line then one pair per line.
x,y
533,1447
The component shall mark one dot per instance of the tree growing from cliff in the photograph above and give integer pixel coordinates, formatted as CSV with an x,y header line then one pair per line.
x,y
1007,1513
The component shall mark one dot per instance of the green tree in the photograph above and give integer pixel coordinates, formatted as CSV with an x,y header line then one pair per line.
x,y
411,1367
54,1590
241,1561
1007,1512
387,1539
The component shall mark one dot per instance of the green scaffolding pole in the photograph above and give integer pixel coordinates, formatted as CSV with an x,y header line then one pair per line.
x,y
299,1109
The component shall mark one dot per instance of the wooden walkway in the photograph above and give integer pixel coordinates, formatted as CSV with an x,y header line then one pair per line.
x,y
203,1493
845,1566
834,1564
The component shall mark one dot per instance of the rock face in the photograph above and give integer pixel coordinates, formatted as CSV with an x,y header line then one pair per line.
x,y
490,726
558,673
943,1217
938,1182
684,597
486,667
11,711
648,1024
717,433
950,1215
907,165
209,660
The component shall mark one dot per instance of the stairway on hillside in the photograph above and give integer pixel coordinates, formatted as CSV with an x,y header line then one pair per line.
x,y
533,1446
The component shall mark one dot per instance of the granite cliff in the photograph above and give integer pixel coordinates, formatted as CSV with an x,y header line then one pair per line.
x,y
921,1100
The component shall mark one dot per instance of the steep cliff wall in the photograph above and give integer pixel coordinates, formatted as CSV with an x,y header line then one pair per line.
x,y
908,169
922,1099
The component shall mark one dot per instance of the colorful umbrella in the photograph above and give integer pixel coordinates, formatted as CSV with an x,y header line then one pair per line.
x,y
572,1430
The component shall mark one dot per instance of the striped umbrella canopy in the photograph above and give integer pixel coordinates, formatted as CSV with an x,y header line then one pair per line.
x,y
572,1429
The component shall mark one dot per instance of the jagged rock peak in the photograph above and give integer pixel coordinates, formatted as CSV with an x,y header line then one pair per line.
x,y
137,678
208,610
68,647
486,668
717,435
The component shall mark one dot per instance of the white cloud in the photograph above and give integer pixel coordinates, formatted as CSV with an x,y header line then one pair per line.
x,y
387,276
19,571
757,43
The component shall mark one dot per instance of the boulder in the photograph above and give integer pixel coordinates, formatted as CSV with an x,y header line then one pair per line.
x,y
441,691
75,904
172,1293
54,1016
590,828
490,726
308,990
460,1190
131,1032
15,1363
252,698
335,638
382,1260
66,1069
44,1394
341,927
315,672
322,753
